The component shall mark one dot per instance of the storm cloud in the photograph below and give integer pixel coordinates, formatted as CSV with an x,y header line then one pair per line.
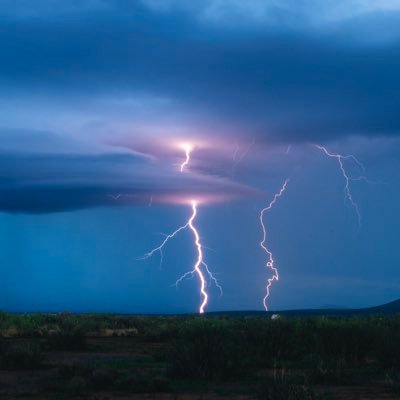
x,y
55,177
274,73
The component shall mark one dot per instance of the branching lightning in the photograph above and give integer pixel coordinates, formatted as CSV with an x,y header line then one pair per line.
x,y
162,245
347,190
270,262
200,268
191,274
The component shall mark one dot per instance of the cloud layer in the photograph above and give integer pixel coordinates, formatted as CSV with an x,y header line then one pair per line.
x,y
308,70
103,74
57,178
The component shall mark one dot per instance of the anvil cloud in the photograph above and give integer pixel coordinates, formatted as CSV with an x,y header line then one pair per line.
x,y
55,177
275,70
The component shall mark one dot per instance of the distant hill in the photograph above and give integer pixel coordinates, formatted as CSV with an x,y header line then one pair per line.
x,y
385,309
391,308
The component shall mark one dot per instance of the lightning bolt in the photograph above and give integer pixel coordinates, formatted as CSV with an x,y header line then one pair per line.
x,y
200,268
270,262
347,190
188,149
199,261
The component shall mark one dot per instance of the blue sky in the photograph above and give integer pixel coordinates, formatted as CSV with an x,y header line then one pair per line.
x,y
96,99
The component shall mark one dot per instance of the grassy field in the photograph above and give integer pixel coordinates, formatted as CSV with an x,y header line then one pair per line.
x,y
62,356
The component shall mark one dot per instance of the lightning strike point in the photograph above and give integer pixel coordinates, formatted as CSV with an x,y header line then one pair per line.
x,y
270,262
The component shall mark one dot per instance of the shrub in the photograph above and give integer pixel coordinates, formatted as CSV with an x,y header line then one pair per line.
x,y
21,356
283,390
67,340
75,368
330,372
77,386
388,348
125,381
103,378
393,379
208,349
160,384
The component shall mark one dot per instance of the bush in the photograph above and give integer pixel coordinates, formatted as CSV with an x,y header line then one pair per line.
x,y
125,381
330,372
139,383
103,378
160,384
284,391
75,368
393,379
388,348
77,386
208,349
67,340
21,356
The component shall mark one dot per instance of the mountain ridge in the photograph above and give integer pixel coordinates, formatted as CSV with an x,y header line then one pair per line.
x,y
392,307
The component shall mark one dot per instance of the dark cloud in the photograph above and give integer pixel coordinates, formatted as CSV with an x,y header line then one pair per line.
x,y
180,66
273,83
45,183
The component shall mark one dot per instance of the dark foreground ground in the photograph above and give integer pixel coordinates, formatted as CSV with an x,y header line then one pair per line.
x,y
63,356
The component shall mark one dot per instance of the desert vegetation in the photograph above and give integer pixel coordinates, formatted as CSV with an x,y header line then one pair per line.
x,y
87,356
